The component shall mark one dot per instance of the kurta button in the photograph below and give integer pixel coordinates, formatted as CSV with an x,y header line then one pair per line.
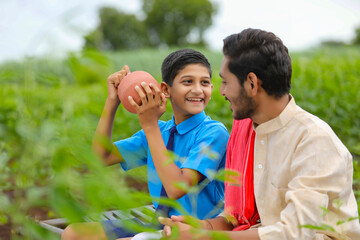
x,y
262,142
260,166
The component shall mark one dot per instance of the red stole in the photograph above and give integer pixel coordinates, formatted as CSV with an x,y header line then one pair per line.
x,y
240,203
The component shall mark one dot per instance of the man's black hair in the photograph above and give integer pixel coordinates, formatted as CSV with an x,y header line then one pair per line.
x,y
263,53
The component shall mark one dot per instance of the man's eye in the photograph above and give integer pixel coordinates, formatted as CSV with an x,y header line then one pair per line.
x,y
187,81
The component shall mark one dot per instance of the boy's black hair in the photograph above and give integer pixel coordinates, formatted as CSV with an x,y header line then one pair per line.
x,y
263,53
178,60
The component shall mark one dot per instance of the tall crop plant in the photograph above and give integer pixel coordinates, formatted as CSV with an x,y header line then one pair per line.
x,y
326,83
49,110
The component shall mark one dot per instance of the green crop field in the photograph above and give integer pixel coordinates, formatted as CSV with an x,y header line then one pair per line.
x,y
49,109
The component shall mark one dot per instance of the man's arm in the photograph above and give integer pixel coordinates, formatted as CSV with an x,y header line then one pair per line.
x,y
218,226
217,223
102,142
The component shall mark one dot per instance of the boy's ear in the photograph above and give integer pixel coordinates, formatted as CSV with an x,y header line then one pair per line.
x,y
165,88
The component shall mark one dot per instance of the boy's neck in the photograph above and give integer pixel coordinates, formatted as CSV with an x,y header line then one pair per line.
x,y
179,118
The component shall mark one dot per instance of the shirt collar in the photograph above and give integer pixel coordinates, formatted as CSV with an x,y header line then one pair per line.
x,y
188,124
280,121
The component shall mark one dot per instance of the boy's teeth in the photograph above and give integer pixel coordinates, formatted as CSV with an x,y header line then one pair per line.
x,y
195,99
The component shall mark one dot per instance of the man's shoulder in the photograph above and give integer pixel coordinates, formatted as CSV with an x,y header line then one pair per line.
x,y
311,123
310,126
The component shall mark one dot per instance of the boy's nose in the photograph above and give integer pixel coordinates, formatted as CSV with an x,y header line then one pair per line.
x,y
197,89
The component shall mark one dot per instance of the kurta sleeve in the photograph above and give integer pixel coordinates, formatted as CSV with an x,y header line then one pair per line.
x,y
320,173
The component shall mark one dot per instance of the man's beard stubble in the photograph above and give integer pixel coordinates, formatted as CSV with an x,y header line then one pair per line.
x,y
247,106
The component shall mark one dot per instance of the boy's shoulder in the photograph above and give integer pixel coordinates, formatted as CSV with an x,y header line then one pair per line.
x,y
165,124
210,126
210,123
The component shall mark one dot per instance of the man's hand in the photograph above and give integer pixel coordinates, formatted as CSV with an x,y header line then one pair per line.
x,y
152,107
113,82
183,227
173,229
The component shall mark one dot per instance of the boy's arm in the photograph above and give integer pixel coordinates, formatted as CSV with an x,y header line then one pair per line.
x,y
169,172
102,141
152,107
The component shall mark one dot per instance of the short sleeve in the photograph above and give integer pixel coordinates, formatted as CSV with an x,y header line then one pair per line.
x,y
134,150
208,152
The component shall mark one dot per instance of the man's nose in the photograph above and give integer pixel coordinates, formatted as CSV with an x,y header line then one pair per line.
x,y
222,90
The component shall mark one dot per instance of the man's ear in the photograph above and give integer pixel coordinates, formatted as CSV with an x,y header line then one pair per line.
x,y
254,83
165,88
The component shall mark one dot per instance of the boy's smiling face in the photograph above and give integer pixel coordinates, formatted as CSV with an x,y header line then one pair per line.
x,y
190,91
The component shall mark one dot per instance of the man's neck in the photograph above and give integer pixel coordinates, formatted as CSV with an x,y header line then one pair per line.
x,y
269,108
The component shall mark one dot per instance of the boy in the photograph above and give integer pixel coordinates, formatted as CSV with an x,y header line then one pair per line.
x,y
187,84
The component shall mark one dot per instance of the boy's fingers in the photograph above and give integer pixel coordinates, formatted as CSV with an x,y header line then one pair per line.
x,y
163,100
166,231
133,103
141,94
154,87
147,89
117,77
126,68
158,93
179,218
166,221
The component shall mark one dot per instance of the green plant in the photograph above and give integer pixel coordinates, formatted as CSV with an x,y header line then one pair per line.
x,y
335,230
50,108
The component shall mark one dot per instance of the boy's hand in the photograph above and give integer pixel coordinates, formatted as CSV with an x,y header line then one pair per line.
x,y
113,82
174,229
153,104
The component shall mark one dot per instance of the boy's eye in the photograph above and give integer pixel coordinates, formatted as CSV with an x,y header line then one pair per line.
x,y
187,81
205,82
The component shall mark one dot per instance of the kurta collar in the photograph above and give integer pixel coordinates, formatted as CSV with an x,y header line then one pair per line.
x,y
280,121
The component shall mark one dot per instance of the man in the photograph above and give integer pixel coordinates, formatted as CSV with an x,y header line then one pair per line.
x,y
300,167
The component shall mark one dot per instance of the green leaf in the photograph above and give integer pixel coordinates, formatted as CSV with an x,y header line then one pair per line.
x,y
321,227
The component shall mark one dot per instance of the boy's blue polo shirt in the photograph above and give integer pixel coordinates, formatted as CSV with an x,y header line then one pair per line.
x,y
190,145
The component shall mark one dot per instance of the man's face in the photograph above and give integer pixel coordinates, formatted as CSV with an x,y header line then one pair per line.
x,y
241,105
